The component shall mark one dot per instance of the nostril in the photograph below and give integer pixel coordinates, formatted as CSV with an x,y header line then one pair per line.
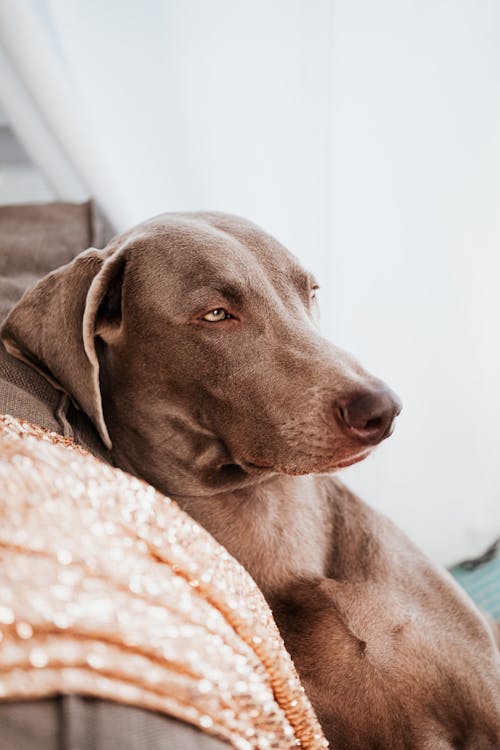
x,y
355,421
373,424
368,416
343,414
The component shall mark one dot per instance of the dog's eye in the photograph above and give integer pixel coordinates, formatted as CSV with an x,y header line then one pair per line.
x,y
314,293
215,316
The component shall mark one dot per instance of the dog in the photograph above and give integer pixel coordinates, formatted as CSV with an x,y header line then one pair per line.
x,y
192,343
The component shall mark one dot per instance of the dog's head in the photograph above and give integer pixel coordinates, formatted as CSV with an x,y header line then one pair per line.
x,y
192,343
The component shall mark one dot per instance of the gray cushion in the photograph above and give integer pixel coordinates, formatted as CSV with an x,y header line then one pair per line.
x,y
76,723
35,240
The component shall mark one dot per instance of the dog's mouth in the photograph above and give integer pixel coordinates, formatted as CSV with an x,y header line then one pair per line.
x,y
344,463
265,467
257,468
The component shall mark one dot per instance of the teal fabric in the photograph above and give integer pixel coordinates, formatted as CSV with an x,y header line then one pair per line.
x,y
481,579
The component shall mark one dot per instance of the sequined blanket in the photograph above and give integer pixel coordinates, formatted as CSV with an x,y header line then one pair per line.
x,y
108,589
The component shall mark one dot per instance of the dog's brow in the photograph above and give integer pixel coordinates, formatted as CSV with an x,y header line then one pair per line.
x,y
229,291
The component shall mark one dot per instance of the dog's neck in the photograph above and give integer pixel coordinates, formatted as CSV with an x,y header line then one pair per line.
x,y
279,529
276,526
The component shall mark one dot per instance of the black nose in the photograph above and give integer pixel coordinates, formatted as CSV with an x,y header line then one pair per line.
x,y
369,415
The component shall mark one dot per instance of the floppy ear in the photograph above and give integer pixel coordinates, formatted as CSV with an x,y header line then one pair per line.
x,y
53,326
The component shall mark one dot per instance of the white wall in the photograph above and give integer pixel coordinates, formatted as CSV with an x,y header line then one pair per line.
x,y
415,252
220,105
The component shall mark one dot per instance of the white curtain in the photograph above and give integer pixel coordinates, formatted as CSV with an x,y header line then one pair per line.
x,y
363,135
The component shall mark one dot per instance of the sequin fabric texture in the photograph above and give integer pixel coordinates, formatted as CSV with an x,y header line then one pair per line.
x,y
108,589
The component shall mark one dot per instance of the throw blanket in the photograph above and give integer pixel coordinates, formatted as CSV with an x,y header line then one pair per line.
x,y
108,589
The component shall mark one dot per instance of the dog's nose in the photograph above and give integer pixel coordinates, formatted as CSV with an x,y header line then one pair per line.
x,y
369,415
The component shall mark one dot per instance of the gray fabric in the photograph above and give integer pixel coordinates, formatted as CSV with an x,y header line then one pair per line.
x,y
29,725
76,723
35,240
27,395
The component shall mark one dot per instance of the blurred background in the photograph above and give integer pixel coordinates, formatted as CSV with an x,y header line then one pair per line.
x,y
364,135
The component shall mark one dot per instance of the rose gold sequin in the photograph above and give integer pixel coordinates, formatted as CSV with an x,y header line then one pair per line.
x,y
107,588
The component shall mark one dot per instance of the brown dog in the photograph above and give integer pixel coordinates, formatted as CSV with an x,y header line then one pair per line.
x,y
191,342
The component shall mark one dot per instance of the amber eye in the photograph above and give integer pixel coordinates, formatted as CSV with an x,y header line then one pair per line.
x,y
215,316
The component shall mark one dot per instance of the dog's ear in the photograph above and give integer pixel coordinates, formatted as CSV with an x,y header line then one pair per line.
x,y
54,325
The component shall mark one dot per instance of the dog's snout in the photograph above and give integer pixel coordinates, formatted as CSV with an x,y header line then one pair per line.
x,y
369,415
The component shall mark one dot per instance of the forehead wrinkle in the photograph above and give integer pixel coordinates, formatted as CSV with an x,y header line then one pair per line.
x,y
228,291
250,282
280,267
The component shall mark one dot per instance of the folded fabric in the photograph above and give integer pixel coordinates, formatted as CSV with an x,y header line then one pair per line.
x,y
108,589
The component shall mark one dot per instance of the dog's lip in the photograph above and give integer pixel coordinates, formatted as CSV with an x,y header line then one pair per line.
x,y
260,467
247,464
344,463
